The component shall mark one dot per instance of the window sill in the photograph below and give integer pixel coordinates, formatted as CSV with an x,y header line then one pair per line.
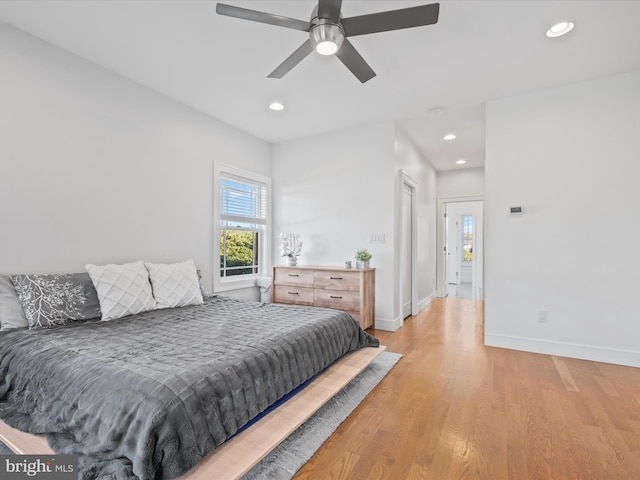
x,y
236,284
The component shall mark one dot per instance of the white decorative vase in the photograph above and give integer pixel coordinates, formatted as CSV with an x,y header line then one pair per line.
x,y
362,264
292,261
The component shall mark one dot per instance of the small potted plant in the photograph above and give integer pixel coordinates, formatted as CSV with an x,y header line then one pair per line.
x,y
362,258
290,247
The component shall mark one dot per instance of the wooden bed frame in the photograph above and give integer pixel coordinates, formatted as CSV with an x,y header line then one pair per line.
x,y
236,457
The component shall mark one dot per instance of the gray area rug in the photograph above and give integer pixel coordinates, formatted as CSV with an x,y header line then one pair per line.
x,y
288,457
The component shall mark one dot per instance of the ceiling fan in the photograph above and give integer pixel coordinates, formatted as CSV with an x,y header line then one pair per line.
x,y
328,31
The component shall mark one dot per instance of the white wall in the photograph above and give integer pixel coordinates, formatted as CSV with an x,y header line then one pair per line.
x,y
334,190
408,158
466,182
95,168
571,156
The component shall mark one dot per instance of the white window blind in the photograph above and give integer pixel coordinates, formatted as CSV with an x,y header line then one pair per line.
x,y
243,203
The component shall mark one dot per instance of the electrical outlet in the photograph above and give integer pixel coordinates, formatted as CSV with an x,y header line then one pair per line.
x,y
543,316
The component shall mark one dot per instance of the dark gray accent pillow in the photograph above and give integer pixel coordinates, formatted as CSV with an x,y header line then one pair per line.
x,y
49,300
11,313
203,291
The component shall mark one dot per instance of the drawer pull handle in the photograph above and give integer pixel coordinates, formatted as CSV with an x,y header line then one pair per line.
x,y
293,293
335,296
336,278
294,275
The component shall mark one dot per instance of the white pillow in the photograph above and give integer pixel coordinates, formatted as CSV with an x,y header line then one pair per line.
x,y
175,285
122,289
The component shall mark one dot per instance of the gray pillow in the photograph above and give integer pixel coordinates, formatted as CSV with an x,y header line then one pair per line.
x,y
203,291
11,313
49,300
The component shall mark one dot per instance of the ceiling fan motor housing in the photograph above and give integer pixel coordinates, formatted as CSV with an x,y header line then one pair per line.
x,y
326,33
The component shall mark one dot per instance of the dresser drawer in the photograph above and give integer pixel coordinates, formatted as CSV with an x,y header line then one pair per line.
x,y
294,276
292,294
337,280
338,299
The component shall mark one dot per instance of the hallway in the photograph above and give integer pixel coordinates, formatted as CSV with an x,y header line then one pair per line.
x,y
464,290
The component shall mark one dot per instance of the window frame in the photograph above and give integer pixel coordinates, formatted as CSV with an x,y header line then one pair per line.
x,y
234,282
471,231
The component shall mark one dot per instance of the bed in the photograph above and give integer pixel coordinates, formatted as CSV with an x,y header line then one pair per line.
x,y
150,395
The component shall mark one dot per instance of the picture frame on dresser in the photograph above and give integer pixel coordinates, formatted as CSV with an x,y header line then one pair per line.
x,y
349,290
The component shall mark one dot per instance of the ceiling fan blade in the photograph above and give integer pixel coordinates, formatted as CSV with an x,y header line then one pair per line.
x,y
354,62
255,16
393,20
329,9
294,59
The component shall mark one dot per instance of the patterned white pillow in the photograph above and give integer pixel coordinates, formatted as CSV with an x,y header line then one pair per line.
x,y
175,285
122,289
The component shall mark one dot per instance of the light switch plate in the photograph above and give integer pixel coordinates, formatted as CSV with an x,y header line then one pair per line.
x,y
376,238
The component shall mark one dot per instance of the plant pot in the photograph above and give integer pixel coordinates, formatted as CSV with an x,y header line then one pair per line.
x,y
362,263
292,261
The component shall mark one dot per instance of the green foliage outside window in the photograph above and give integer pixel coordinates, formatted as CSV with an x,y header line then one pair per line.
x,y
240,249
467,238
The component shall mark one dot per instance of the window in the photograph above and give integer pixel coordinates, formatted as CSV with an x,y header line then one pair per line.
x,y
241,234
467,238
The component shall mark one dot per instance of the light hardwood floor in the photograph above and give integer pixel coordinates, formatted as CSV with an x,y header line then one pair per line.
x,y
455,409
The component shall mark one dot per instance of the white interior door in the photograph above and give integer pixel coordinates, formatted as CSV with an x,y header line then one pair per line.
x,y
452,248
407,248
464,275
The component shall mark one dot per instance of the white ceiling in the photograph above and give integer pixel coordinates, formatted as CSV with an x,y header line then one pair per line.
x,y
479,50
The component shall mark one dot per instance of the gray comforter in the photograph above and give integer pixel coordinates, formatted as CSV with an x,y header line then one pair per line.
x,y
148,396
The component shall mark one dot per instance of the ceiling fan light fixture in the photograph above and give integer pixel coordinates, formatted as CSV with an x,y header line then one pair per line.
x,y
326,48
326,37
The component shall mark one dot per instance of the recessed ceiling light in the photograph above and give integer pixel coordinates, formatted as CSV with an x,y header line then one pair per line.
x,y
449,137
461,162
436,111
277,106
559,29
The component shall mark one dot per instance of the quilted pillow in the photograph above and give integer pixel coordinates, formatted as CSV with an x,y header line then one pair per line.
x,y
175,285
50,300
11,313
122,289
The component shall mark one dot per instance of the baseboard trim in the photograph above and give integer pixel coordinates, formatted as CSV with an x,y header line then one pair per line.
x,y
393,325
426,301
628,358
388,325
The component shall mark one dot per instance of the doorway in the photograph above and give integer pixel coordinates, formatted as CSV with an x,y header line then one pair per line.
x,y
408,282
463,249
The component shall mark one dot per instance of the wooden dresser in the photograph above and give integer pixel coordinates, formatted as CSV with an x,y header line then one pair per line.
x,y
348,289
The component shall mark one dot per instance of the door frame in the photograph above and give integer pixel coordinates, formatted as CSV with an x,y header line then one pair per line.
x,y
440,258
451,245
405,179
